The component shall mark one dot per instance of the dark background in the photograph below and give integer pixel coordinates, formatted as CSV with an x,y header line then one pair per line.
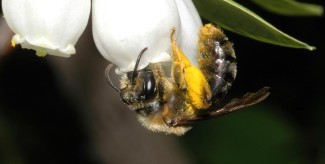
x,y
56,110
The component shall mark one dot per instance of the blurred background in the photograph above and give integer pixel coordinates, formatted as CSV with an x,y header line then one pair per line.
x,y
57,110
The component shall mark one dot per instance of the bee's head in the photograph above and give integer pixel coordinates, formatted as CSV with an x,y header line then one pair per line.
x,y
139,86
146,98
155,103
136,86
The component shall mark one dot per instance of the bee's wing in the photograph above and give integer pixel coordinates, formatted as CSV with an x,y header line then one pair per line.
x,y
236,104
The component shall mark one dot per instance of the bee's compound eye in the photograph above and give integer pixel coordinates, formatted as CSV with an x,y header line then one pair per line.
x,y
149,86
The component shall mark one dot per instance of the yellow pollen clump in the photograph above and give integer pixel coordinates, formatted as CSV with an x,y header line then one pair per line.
x,y
40,52
13,43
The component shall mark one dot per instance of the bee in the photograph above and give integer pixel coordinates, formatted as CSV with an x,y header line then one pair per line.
x,y
171,104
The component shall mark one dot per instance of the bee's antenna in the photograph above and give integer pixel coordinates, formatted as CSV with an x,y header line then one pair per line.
x,y
107,70
137,64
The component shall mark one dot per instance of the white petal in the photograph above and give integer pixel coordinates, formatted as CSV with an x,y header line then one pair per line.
x,y
49,26
122,28
191,24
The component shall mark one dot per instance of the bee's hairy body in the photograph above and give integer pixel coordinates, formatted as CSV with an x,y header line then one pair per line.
x,y
170,104
172,98
217,61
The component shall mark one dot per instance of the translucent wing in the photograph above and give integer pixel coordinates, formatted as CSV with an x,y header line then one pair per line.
x,y
236,104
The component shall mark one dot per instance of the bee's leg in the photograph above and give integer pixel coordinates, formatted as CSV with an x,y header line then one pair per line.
x,y
217,60
180,62
189,78
173,101
164,85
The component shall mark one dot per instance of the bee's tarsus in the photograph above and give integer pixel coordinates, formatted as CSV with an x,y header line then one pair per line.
x,y
172,34
170,122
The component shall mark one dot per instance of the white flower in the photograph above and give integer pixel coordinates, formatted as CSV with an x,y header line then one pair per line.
x,y
47,26
122,28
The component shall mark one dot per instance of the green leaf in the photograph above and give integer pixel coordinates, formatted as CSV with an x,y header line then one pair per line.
x,y
236,18
290,7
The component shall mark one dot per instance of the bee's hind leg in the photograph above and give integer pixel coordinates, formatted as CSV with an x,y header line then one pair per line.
x,y
189,78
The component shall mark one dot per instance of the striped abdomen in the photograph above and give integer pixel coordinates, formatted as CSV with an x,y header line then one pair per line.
x,y
217,60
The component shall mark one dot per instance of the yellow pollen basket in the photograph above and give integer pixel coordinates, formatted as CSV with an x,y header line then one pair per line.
x,y
197,87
